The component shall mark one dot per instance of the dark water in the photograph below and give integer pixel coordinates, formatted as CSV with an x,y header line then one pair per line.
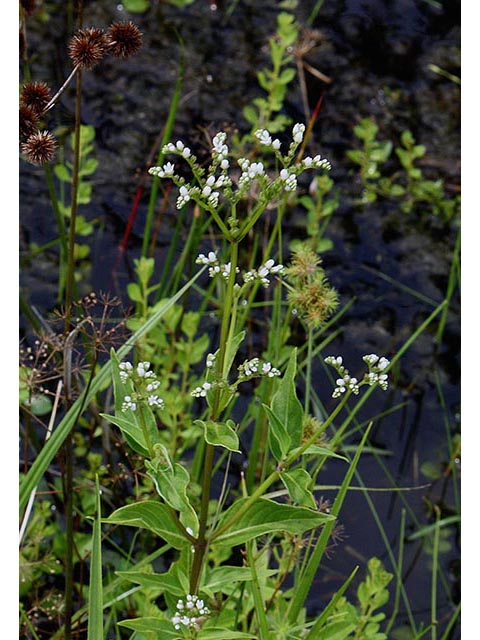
x,y
376,54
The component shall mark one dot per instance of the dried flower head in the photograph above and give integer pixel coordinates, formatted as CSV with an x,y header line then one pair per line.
x,y
35,95
40,147
88,47
28,122
125,39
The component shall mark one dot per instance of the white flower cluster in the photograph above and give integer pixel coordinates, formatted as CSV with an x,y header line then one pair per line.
x,y
375,367
220,150
250,171
201,392
207,192
374,376
262,272
257,367
214,265
144,382
190,613
345,381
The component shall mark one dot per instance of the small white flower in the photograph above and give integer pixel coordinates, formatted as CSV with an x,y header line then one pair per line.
x,y
128,404
298,131
155,401
264,136
289,179
168,169
201,392
179,145
276,144
183,198
210,361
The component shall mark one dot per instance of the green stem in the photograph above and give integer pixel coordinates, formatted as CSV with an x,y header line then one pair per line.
x,y
68,446
202,542
308,377
60,222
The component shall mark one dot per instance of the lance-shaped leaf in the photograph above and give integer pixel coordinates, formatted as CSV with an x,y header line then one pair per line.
x,y
155,517
220,434
264,517
162,627
171,482
278,438
175,581
225,578
285,414
297,483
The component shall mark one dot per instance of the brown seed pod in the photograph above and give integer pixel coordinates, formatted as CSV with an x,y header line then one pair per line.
x,y
88,47
125,39
40,147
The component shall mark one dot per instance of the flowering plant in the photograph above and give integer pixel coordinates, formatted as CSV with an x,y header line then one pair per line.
x,y
182,518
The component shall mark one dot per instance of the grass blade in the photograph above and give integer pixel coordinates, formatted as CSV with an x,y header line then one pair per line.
x,y
95,591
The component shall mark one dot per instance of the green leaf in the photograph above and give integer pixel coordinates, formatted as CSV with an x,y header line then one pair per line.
x,y
132,434
154,516
226,576
173,582
88,167
265,517
287,75
38,404
134,292
286,405
152,625
278,438
315,449
172,483
84,194
233,346
220,434
62,173
297,483
218,633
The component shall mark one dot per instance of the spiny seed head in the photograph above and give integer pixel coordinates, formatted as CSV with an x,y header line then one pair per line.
x,y
88,47
315,301
125,39
40,147
35,95
27,124
304,264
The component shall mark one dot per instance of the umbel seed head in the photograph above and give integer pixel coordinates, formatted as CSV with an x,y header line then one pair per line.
x,y
88,47
35,95
125,39
40,147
